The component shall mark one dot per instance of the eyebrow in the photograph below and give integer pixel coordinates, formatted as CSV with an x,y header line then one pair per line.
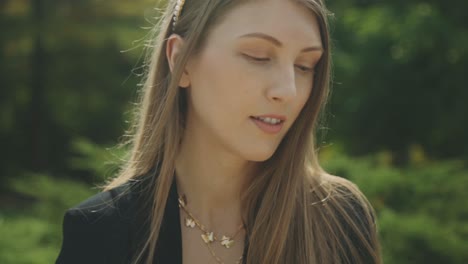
x,y
276,42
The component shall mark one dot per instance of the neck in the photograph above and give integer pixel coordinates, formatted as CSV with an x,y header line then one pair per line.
x,y
212,181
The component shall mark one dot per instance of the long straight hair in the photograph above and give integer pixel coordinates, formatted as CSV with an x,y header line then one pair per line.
x,y
294,212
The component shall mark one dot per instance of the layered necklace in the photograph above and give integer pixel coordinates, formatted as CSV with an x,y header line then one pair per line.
x,y
207,236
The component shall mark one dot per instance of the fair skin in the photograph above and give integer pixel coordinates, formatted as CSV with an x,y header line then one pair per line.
x,y
253,64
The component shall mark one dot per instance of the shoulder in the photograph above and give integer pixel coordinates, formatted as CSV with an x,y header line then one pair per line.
x,y
97,230
105,206
348,196
355,219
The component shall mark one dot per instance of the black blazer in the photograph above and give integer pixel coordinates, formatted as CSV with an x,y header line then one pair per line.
x,y
110,227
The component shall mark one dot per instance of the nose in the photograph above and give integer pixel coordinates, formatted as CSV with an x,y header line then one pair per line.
x,y
283,86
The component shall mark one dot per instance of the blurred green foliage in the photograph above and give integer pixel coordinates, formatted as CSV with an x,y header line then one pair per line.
x,y
421,208
30,221
400,77
69,71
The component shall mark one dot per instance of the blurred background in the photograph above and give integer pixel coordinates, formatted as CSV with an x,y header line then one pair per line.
x,y
397,121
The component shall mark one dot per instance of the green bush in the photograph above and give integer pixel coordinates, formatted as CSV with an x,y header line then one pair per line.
x,y
421,209
31,231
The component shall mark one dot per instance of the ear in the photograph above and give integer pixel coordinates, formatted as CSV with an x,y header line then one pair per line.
x,y
174,46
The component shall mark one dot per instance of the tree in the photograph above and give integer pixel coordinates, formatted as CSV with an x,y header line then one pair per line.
x,y
399,77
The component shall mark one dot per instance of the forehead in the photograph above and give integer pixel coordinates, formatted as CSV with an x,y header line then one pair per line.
x,y
287,20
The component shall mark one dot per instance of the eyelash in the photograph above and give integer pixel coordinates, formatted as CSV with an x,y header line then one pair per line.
x,y
264,60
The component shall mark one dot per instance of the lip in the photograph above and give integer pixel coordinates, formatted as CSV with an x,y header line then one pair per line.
x,y
280,117
269,128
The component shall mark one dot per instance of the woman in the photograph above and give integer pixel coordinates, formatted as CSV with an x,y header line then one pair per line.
x,y
223,167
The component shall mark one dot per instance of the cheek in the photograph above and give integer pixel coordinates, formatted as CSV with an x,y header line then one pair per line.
x,y
215,74
304,94
219,91
307,96
225,79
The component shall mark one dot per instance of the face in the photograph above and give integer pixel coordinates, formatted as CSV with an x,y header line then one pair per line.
x,y
258,63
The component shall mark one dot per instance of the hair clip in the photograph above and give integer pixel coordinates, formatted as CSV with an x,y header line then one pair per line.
x,y
178,9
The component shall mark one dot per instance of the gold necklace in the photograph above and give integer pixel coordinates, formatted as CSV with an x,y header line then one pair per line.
x,y
208,236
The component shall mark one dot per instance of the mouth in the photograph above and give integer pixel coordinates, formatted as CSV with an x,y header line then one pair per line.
x,y
268,120
269,124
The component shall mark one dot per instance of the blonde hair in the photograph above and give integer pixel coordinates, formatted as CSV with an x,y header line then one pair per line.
x,y
294,212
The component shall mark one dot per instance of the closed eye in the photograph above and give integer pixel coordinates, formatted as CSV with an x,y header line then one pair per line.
x,y
257,59
262,60
305,69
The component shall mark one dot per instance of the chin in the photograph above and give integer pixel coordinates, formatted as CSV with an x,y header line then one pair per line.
x,y
260,156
